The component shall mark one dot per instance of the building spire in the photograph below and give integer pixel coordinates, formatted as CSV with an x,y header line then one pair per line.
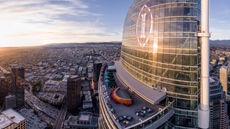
x,y
203,113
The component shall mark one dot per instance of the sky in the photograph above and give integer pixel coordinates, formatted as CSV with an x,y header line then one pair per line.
x,y
219,19
38,22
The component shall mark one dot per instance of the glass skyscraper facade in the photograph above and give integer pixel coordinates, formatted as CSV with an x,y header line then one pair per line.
x,y
161,49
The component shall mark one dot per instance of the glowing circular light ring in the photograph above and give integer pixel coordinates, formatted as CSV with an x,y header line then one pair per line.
x,y
151,26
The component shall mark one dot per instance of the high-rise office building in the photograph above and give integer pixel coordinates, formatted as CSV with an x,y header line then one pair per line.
x,y
73,93
161,53
165,53
96,73
224,78
3,91
19,71
18,85
218,106
224,119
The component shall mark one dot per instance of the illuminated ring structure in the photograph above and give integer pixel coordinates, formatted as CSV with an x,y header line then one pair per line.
x,y
140,26
119,96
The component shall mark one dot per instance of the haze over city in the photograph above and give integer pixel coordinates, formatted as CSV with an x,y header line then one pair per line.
x,y
38,22
114,64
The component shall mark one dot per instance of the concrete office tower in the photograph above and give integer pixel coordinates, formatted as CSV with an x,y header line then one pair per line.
x,y
10,102
73,93
224,78
3,91
18,85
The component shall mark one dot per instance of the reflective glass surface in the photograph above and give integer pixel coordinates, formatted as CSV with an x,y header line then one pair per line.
x,y
161,49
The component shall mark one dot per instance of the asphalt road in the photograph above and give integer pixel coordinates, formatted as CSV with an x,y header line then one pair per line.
x,y
61,117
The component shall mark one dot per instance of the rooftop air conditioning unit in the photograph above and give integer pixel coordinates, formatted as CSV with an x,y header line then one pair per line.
x,y
159,88
164,89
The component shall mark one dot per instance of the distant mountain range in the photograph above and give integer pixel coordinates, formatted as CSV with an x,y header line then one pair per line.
x,y
220,42
80,44
212,42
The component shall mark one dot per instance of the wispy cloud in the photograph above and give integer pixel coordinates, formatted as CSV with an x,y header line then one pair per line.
x,y
220,26
30,22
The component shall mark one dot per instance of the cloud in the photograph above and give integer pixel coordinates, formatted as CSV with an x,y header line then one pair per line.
x,y
32,22
220,26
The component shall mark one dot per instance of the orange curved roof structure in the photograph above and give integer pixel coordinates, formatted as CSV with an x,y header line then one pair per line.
x,y
121,97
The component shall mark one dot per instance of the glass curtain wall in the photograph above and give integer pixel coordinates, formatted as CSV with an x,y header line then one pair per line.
x,y
161,49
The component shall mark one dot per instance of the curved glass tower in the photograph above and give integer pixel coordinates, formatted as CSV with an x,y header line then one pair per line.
x,y
162,50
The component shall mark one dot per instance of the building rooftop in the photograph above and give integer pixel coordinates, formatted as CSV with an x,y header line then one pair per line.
x,y
4,121
32,120
120,110
111,68
84,117
138,105
13,115
224,67
9,117
153,96
75,78
84,120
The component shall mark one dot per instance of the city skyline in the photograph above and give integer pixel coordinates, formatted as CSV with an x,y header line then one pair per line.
x,y
101,64
31,23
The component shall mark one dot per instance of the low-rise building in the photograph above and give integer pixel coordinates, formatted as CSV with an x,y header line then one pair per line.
x,y
85,120
10,119
32,120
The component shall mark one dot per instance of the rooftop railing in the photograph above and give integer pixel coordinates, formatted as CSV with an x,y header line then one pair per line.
x,y
147,122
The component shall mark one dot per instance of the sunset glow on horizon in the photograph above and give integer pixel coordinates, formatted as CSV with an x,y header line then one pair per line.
x,y
39,22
